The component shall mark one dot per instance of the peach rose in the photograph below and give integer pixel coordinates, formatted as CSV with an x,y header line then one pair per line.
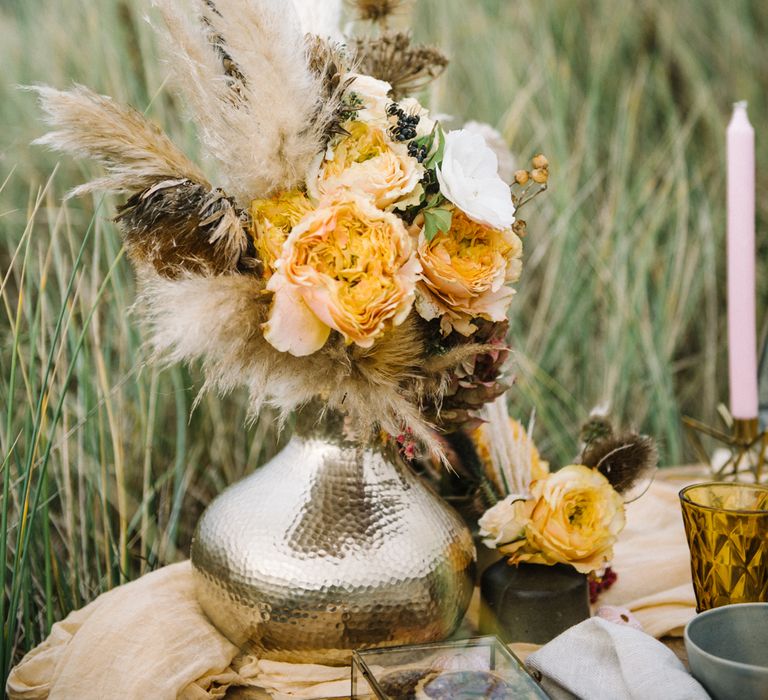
x,y
346,266
374,97
367,162
271,222
574,517
466,271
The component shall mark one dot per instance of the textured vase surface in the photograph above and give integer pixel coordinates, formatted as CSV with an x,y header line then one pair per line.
x,y
333,545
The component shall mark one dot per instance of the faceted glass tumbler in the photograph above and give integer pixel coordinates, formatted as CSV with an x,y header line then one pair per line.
x,y
727,529
470,668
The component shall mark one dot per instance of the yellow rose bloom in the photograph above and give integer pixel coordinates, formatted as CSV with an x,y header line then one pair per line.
x,y
466,270
346,266
272,220
368,163
573,517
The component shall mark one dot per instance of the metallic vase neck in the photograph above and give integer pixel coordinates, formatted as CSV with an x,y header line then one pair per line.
x,y
316,420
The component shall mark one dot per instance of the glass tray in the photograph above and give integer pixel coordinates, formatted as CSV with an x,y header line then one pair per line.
x,y
467,669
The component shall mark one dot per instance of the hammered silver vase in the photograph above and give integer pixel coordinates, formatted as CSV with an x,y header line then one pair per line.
x,y
333,545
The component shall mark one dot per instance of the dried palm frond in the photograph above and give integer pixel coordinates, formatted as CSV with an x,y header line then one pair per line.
x,y
393,58
265,140
376,10
182,227
135,152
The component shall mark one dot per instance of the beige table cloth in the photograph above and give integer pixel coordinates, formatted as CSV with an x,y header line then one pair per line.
x,y
150,639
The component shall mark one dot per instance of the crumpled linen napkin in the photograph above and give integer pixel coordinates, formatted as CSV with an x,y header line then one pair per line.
x,y
601,660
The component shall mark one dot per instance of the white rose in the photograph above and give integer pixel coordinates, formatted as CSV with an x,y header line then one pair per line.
x,y
469,178
504,522
498,145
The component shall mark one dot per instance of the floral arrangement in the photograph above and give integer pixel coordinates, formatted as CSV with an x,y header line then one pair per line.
x,y
574,515
357,250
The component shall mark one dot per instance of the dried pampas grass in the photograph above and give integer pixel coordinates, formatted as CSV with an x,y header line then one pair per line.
x,y
134,151
320,17
173,221
265,139
216,321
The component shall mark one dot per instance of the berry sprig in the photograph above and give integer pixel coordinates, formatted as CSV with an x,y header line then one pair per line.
x,y
405,129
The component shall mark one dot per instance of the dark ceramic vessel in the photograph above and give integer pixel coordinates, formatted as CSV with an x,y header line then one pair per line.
x,y
531,602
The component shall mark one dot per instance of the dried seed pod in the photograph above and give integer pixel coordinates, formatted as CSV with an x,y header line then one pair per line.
x,y
376,10
540,161
392,57
522,176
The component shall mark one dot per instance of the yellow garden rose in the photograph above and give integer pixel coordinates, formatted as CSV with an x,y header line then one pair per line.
x,y
346,266
466,272
368,163
271,222
573,517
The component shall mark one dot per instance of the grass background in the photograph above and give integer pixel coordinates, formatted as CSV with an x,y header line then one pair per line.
x,y
622,300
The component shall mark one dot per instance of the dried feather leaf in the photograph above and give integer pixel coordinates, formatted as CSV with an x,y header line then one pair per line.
x,y
231,70
182,227
331,64
134,151
623,459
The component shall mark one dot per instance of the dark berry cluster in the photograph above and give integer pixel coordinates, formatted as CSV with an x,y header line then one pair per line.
x,y
417,152
405,129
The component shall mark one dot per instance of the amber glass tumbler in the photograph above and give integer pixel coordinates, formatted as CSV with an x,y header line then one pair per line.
x,y
727,529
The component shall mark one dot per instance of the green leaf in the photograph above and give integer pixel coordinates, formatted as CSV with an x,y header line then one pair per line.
x,y
435,220
439,148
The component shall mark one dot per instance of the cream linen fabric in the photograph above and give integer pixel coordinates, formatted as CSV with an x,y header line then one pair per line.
x,y
146,639
623,663
653,563
149,638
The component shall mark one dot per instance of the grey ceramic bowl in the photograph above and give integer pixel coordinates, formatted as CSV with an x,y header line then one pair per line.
x,y
728,651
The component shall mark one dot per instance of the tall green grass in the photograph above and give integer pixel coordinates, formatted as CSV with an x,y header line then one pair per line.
x,y
104,471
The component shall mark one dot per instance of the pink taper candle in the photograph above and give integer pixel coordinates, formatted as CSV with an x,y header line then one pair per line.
x,y
742,343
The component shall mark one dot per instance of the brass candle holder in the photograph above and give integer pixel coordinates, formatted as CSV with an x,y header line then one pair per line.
x,y
742,437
